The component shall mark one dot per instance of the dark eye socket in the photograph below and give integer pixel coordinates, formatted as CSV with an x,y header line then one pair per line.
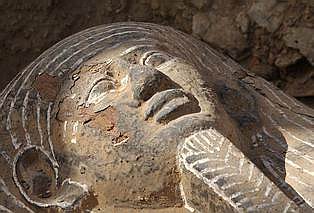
x,y
99,88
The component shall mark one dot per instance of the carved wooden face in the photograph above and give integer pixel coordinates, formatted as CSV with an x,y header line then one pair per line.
x,y
120,122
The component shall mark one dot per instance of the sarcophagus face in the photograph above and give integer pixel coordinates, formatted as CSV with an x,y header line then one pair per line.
x,y
137,115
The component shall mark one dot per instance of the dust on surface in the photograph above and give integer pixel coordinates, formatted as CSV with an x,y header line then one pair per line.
x,y
48,86
35,174
106,120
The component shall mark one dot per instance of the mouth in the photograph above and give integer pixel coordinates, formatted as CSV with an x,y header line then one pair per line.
x,y
169,105
169,136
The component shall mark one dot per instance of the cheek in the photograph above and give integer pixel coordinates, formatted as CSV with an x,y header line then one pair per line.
x,y
105,125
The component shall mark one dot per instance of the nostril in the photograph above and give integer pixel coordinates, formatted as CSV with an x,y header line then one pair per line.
x,y
147,81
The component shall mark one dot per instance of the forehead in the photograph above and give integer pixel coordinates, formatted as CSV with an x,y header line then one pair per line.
x,y
150,54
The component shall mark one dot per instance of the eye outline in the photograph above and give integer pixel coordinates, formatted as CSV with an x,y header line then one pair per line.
x,y
151,53
98,81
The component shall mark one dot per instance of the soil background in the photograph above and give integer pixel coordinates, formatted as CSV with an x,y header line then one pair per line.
x,y
272,38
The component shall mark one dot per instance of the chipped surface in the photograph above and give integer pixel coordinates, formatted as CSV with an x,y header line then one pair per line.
x,y
136,115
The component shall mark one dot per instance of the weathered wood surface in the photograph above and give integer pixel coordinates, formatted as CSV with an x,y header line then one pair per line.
x,y
142,116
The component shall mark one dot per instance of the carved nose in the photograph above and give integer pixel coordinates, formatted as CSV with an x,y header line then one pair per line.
x,y
147,81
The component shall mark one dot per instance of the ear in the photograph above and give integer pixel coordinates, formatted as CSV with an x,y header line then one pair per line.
x,y
37,180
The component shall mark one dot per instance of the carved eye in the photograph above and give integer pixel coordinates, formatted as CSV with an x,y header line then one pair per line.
x,y
154,58
100,88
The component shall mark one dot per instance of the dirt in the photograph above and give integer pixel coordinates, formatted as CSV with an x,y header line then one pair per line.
x,y
48,86
271,38
107,120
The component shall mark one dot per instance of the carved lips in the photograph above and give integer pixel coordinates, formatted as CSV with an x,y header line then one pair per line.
x,y
170,104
